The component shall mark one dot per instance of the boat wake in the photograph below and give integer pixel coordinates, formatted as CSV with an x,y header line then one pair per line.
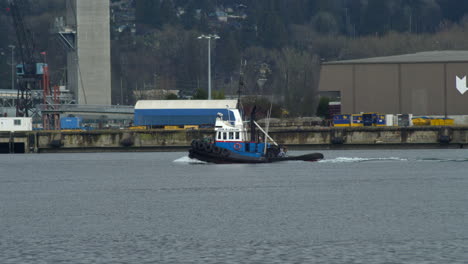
x,y
443,160
186,159
356,160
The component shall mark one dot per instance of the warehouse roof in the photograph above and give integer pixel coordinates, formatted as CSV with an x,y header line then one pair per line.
x,y
420,57
186,104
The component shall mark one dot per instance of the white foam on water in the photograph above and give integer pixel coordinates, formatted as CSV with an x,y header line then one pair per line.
x,y
186,159
442,160
356,159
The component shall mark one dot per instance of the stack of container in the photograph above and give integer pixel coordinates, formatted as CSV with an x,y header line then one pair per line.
x,y
381,120
342,120
356,120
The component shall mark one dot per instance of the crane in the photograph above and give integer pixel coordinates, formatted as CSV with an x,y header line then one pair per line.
x,y
31,73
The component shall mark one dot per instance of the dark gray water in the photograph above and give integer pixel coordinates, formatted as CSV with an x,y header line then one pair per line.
x,y
399,206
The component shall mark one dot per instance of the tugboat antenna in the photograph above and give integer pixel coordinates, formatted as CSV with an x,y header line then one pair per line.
x,y
241,83
252,122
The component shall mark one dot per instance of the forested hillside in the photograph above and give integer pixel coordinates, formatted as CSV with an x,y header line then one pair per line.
x,y
282,42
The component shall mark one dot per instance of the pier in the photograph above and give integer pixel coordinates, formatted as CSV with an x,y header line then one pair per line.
x,y
172,140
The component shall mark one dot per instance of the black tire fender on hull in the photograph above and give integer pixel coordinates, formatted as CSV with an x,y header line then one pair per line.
x,y
208,152
225,153
208,147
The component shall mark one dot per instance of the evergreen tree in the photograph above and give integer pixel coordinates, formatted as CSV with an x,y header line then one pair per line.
x,y
188,19
155,13
453,10
322,109
249,32
376,17
356,10
171,96
200,94
271,29
228,52
167,12
218,95
324,22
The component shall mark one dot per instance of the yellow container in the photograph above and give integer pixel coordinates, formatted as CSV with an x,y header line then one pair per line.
x,y
437,122
137,128
173,127
191,127
449,122
71,130
421,121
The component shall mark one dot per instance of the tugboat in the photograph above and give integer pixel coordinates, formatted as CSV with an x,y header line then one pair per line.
x,y
230,144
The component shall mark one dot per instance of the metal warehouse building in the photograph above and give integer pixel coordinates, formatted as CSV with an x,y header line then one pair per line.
x,y
182,112
425,83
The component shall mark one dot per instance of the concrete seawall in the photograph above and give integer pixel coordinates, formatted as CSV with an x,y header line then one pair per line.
x,y
297,137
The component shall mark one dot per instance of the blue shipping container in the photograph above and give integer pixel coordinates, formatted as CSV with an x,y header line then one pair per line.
x,y
341,120
71,122
381,120
369,119
174,117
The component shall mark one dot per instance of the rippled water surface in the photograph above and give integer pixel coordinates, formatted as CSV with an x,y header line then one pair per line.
x,y
395,206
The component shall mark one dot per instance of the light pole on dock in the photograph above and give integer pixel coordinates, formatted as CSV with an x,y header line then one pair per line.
x,y
209,37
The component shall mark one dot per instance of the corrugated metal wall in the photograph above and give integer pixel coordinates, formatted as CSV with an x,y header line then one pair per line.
x,y
417,88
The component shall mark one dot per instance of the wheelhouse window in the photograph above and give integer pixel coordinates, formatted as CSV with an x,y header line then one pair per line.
x,y
17,122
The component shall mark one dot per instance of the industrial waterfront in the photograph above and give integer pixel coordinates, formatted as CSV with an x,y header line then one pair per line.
x,y
394,206
103,100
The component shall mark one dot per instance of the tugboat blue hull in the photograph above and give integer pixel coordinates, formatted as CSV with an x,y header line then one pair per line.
x,y
214,154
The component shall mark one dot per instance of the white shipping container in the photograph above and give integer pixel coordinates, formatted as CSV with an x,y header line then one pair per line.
x,y
12,124
397,117
389,120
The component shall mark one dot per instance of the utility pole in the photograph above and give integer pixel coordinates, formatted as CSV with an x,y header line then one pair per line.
x,y
12,47
121,91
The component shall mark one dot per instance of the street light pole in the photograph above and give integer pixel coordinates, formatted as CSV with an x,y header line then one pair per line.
x,y
209,68
209,37
12,66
